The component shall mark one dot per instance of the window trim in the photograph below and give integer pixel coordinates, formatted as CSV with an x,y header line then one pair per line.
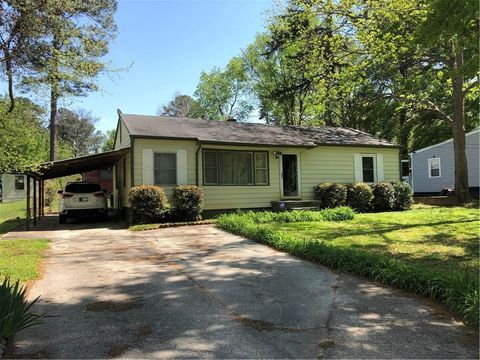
x,y
375,175
429,168
176,167
253,152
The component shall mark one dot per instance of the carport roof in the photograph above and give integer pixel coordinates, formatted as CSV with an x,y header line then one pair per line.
x,y
59,168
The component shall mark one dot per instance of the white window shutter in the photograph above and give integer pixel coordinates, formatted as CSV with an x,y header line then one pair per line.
x,y
357,164
181,167
147,167
380,174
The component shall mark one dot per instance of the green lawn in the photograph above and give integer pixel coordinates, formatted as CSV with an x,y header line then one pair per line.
x,y
434,237
9,212
429,250
20,258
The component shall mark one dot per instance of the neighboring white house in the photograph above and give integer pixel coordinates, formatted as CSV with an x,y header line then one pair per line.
x,y
433,167
12,187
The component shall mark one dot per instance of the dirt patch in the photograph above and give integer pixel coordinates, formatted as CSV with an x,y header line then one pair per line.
x,y
115,306
326,344
40,354
116,350
259,325
144,330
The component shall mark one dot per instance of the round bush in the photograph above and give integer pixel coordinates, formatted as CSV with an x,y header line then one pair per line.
x,y
148,203
187,202
359,197
403,195
331,195
383,196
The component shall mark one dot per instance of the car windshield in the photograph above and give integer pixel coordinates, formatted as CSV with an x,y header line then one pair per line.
x,y
82,188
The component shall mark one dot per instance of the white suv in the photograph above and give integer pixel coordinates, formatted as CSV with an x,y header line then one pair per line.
x,y
82,198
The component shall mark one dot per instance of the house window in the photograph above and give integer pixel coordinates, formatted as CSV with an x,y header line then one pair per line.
x,y
434,168
222,167
165,167
368,168
19,182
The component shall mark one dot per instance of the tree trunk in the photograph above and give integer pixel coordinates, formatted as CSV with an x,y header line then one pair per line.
x,y
9,71
53,122
461,170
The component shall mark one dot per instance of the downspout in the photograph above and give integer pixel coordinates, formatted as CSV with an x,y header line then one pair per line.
x,y
196,162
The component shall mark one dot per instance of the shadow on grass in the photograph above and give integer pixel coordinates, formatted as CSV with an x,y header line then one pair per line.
x,y
10,225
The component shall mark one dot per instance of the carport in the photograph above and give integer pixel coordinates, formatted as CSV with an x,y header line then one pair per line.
x,y
59,168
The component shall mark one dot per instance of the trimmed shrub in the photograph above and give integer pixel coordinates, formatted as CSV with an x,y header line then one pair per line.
x,y
359,197
187,203
383,196
341,213
403,195
331,195
149,204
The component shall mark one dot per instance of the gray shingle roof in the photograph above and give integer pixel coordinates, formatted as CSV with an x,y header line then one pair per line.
x,y
212,131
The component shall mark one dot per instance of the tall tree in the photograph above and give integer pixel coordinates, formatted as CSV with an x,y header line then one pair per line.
x,y
223,94
444,58
23,137
179,106
19,27
68,57
76,129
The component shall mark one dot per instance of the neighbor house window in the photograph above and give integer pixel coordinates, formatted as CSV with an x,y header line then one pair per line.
x,y
434,168
368,168
223,167
19,182
165,167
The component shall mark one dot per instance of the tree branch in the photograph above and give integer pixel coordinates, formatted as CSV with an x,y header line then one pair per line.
x,y
470,87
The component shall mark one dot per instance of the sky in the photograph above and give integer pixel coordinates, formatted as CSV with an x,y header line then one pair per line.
x,y
164,46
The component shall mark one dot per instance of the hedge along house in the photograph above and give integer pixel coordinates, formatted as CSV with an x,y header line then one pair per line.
x,y
245,165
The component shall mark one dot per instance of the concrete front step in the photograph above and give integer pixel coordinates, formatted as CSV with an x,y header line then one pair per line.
x,y
282,205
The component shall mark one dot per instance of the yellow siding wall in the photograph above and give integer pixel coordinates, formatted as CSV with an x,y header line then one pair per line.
x,y
335,164
122,139
321,164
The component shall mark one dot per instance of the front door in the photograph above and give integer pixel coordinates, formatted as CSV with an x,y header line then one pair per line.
x,y
290,175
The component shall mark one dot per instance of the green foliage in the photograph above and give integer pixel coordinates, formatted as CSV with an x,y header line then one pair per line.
x,y
383,196
456,288
149,204
109,140
179,106
331,195
187,202
267,217
403,195
76,129
359,197
23,139
15,312
223,94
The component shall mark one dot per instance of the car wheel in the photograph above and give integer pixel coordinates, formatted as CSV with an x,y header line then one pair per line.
x,y
62,219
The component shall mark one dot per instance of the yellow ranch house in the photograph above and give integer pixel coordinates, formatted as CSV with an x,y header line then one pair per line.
x,y
245,165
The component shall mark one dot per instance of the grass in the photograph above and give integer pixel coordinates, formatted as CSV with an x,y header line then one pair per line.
x,y
9,212
428,250
20,258
143,227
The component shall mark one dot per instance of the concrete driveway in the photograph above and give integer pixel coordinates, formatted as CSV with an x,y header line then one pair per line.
x,y
198,292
